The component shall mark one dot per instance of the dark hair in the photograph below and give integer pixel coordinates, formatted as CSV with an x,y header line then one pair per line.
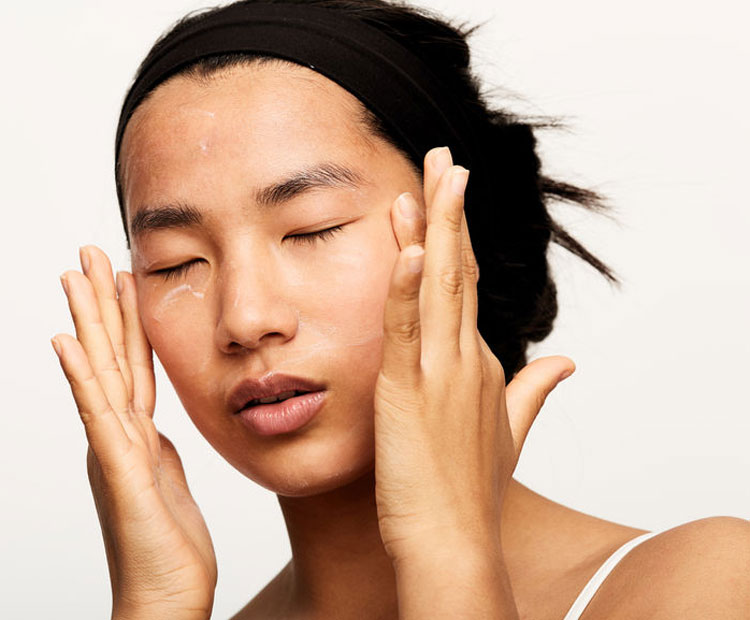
x,y
517,296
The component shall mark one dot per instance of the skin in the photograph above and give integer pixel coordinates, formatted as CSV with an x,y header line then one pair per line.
x,y
256,303
245,322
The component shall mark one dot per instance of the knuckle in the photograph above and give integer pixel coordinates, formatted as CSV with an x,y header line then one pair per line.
x,y
119,349
122,365
471,268
146,364
88,417
137,409
452,219
109,365
405,332
451,282
83,383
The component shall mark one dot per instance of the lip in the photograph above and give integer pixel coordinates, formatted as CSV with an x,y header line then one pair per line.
x,y
270,384
285,416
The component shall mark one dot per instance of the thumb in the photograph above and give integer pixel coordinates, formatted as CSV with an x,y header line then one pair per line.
x,y
526,393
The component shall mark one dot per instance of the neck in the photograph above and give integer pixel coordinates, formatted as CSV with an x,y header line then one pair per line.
x,y
338,559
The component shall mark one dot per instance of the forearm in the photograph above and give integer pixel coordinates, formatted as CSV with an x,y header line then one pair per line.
x,y
455,584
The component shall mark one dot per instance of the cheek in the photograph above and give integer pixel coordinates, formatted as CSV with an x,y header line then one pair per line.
x,y
351,287
175,318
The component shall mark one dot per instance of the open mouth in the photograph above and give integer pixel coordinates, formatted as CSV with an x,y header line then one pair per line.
x,y
286,412
274,399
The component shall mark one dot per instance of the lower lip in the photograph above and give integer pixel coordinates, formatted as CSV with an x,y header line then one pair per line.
x,y
283,417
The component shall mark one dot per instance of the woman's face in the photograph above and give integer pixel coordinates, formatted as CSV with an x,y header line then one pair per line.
x,y
254,299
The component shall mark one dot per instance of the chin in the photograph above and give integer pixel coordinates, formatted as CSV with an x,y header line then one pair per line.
x,y
311,463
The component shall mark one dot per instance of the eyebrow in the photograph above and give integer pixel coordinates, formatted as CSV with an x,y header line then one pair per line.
x,y
182,215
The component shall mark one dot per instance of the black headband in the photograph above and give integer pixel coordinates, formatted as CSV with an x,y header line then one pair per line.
x,y
394,83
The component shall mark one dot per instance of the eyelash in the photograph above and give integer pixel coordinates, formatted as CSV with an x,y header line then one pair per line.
x,y
170,273
312,237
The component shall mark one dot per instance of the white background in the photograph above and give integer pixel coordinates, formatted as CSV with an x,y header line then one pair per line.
x,y
652,430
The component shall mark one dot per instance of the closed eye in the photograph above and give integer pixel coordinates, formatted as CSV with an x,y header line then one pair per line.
x,y
313,237
172,273
169,273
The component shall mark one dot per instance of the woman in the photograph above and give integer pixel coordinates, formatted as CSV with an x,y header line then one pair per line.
x,y
296,227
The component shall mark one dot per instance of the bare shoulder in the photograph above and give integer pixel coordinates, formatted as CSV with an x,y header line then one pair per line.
x,y
700,569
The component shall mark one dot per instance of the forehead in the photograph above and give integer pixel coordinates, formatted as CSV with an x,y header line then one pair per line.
x,y
271,117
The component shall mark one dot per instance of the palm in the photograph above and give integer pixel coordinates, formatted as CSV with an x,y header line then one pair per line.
x,y
161,559
156,524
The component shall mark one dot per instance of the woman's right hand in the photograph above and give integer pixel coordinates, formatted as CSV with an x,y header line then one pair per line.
x,y
159,551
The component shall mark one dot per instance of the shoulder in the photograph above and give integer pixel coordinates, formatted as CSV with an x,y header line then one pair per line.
x,y
700,569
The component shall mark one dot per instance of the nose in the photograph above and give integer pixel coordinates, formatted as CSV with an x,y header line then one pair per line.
x,y
253,308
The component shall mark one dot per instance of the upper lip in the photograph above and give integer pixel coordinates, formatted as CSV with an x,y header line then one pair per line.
x,y
270,384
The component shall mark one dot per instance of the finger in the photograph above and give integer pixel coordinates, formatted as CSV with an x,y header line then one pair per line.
x,y
401,325
469,339
408,221
137,346
526,393
104,430
92,335
98,270
443,270
436,162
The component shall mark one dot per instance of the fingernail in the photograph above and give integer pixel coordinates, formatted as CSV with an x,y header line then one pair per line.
x,y
56,346
85,263
118,283
406,205
64,282
458,181
443,159
415,260
565,374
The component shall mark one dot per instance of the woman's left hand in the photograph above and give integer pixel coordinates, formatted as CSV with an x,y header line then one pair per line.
x,y
448,432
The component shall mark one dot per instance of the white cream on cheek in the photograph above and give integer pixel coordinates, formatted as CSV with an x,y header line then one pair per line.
x,y
176,316
177,294
161,293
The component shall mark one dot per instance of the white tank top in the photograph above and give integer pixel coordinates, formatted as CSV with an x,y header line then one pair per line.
x,y
593,585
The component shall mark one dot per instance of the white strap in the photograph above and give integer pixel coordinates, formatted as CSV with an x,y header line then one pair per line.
x,y
593,585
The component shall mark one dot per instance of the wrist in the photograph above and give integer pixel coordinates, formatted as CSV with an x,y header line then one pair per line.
x,y
433,547
150,612
460,559
453,582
